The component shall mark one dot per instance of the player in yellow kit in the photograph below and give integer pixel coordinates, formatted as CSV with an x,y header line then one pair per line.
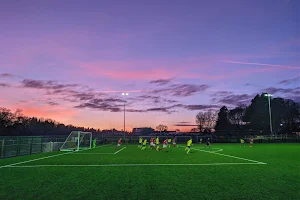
x,y
144,144
189,144
169,142
140,142
157,143
242,142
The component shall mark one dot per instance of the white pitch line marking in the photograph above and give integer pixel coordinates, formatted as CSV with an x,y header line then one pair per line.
x,y
120,150
10,165
229,156
91,148
134,165
91,153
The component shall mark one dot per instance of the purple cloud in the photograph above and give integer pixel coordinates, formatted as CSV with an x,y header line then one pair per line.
x,y
6,75
290,81
38,84
51,103
161,81
201,107
4,85
155,99
233,99
181,90
291,91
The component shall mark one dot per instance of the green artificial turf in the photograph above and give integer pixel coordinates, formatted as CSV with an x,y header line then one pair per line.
x,y
214,175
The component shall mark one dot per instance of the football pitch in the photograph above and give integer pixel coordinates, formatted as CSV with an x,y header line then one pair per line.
x,y
226,171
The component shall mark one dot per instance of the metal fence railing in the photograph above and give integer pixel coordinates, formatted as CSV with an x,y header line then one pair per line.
x,y
18,146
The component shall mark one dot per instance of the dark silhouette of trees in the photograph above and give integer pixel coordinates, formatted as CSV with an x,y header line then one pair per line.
x,y
223,122
236,115
206,120
285,115
16,124
161,128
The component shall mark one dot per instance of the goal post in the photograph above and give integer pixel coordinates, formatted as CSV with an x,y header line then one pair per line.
x,y
77,140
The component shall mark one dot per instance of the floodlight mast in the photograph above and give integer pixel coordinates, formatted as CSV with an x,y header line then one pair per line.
x,y
124,94
270,114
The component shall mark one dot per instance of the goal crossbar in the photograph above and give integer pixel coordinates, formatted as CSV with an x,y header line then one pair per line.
x,y
77,140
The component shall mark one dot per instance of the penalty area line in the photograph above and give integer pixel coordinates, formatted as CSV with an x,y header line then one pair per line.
x,y
71,152
133,165
221,154
12,165
120,150
90,153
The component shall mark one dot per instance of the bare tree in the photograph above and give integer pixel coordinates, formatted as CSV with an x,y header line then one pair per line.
x,y
194,130
206,120
161,128
236,115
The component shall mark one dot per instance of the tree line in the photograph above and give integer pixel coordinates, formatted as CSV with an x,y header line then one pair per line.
x,y
16,124
285,116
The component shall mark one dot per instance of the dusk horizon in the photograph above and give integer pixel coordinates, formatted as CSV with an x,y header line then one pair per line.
x,y
71,62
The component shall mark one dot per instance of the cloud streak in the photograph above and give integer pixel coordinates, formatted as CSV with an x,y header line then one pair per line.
x,y
290,81
290,91
263,64
182,90
4,85
6,75
161,81
227,97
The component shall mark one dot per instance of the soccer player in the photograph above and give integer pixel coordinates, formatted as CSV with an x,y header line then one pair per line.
x,y
207,143
165,145
119,143
157,143
152,145
188,144
174,142
169,142
251,142
242,142
200,140
144,144
94,143
140,142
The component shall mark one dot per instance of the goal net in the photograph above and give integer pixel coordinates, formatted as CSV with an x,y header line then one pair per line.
x,y
77,140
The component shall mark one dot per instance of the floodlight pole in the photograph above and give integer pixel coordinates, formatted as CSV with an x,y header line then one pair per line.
x,y
124,94
124,121
270,114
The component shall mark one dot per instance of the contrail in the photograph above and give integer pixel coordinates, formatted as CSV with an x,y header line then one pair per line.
x,y
261,64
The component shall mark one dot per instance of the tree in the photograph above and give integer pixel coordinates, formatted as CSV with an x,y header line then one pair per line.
x,y
223,120
206,120
285,114
257,114
195,130
236,115
161,128
6,119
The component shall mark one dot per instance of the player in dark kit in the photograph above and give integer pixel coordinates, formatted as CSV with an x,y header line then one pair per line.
x,y
207,143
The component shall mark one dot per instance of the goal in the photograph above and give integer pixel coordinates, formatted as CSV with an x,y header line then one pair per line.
x,y
77,140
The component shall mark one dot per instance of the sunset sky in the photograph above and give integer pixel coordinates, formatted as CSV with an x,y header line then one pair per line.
x,y
71,60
